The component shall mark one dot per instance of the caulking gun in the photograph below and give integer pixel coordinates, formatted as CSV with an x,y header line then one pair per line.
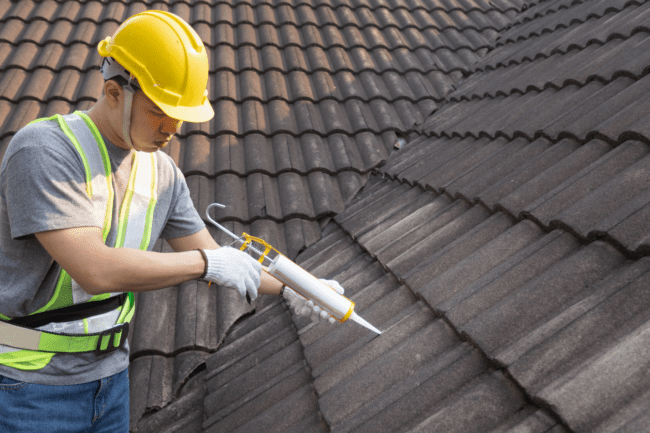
x,y
292,275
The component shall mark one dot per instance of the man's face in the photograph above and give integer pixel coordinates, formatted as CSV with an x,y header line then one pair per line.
x,y
151,128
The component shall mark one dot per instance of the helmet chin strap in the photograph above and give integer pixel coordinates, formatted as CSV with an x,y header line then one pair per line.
x,y
126,118
111,69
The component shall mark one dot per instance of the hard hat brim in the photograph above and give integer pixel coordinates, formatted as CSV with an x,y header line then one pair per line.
x,y
198,114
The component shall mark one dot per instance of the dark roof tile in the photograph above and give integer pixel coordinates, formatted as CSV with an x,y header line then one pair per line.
x,y
381,299
495,175
449,254
185,365
153,374
333,246
508,277
375,213
369,212
477,163
541,299
451,372
455,380
155,331
550,205
585,215
327,198
186,415
563,122
339,257
553,176
478,263
420,245
615,303
336,367
247,337
366,197
393,224
537,422
339,402
229,372
418,147
527,171
630,120
496,403
298,412
628,224
440,168
610,369
274,387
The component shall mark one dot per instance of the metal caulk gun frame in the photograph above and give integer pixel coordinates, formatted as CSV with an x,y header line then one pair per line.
x,y
301,281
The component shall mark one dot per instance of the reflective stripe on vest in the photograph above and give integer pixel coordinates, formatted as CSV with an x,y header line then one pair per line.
x,y
133,231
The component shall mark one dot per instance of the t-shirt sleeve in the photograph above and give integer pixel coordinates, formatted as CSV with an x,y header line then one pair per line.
x,y
184,220
45,189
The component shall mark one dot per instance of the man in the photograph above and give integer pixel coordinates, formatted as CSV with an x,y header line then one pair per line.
x,y
83,199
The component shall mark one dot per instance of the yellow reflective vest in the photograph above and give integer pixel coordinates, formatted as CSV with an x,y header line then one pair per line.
x,y
32,349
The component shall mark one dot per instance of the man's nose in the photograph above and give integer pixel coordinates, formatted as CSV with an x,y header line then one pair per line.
x,y
170,126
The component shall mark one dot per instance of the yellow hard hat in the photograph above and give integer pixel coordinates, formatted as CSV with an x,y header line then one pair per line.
x,y
168,60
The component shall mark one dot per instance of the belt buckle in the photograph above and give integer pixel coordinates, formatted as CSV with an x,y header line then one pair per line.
x,y
110,333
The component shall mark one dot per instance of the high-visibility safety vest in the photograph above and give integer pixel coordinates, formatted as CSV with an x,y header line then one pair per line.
x,y
32,349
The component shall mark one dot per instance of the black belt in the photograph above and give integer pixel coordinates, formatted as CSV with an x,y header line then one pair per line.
x,y
71,313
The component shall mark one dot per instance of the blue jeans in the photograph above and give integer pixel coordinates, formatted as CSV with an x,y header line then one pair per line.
x,y
101,406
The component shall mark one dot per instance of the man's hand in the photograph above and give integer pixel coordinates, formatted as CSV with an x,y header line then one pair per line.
x,y
232,268
304,307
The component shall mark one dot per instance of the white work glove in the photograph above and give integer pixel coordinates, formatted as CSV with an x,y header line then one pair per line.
x,y
304,307
232,268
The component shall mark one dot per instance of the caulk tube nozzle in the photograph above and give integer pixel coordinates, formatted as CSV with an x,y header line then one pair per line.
x,y
360,320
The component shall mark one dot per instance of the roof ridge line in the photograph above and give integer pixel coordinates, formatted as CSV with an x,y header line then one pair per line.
x,y
324,48
564,7
548,30
291,216
275,133
275,6
550,85
213,24
279,173
569,48
251,99
591,135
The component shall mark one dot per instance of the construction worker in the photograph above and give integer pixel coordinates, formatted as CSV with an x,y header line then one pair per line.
x,y
83,199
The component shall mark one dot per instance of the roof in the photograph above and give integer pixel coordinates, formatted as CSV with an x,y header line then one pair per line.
x,y
503,250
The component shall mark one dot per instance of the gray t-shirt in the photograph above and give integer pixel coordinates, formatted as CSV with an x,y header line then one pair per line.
x,y
42,183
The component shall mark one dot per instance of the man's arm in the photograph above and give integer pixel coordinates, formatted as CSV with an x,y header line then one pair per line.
x,y
202,239
101,269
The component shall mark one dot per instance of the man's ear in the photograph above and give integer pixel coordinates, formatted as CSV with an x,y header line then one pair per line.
x,y
113,93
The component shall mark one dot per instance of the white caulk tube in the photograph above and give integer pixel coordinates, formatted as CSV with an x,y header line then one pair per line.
x,y
310,287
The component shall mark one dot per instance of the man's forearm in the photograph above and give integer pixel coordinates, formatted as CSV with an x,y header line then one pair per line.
x,y
130,270
102,269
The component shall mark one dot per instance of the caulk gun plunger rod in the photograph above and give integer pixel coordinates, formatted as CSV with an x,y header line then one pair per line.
x,y
228,232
